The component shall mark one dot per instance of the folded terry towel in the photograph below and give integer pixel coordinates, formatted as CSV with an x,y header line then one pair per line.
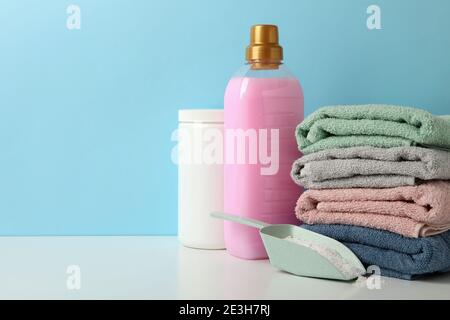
x,y
397,256
369,167
383,126
412,211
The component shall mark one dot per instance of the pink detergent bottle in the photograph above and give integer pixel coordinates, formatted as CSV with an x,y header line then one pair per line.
x,y
263,105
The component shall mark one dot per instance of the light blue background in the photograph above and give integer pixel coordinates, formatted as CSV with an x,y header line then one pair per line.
x,y
86,115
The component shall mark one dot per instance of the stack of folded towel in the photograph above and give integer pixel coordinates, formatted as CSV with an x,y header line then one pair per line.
x,y
379,181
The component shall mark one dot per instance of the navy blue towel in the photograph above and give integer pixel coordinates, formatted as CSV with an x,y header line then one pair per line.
x,y
397,256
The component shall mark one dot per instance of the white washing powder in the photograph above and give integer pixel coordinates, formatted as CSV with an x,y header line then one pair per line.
x,y
348,270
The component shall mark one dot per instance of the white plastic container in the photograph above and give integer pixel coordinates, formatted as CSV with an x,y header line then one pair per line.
x,y
200,178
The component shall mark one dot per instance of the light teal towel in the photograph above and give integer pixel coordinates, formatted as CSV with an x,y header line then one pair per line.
x,y
383,126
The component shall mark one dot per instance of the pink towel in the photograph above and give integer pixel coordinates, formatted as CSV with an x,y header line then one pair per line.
x,y
412,211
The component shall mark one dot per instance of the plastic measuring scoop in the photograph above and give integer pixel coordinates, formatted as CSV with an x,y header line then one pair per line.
x,y
303,252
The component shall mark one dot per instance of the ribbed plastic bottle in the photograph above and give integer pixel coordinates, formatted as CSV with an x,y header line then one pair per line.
x,y
263,105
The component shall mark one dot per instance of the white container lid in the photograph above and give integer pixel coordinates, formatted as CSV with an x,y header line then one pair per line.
x,y
201,115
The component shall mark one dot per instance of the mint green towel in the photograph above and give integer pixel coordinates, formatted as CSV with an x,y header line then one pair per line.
x,y
382,126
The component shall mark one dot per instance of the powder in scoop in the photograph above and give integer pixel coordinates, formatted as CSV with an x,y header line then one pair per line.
x,y
348,270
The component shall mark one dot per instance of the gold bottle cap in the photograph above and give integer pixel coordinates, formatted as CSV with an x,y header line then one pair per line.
x,y
264,52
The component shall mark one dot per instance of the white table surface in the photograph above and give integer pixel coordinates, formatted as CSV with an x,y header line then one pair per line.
x,y
160,268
